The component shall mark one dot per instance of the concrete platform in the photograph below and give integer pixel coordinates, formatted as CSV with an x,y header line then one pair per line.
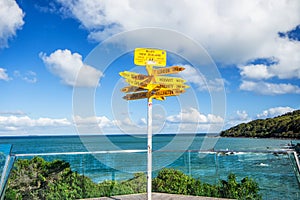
x,y
155,196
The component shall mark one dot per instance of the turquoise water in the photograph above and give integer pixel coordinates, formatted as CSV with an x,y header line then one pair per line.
x,y
273,172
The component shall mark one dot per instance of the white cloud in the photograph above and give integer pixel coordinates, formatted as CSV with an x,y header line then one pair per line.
x,y
233,31
242,115
127,125
238,118
273,112
11,19
191,121
286,52
23,122
70,68
101,121
3,75
29,76
18,112
256,71
97,124
287,66
192,115
193,76
266,88
126,122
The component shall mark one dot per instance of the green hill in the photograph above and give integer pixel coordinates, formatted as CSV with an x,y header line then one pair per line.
x,y
284,126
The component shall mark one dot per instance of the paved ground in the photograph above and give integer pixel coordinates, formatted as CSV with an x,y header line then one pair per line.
x,y
155,196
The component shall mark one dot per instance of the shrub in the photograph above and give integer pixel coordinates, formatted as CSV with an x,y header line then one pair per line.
x,y
176,182
138,183
173,181
38,179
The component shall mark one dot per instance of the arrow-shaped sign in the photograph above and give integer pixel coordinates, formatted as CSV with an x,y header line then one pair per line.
x,y
163,92
159,95
168,70
135,96
131,89
174,86
169,80
133,75
138,83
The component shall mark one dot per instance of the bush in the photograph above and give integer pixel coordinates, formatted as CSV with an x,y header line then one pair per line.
x,y
38,179
176,182
173,181
138,183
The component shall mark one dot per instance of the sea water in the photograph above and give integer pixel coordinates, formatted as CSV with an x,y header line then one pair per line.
x,y
188,153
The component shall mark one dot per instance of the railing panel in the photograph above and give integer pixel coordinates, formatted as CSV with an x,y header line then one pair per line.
x,y
272,170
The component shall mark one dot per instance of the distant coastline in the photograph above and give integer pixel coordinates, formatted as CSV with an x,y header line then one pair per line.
x,y
273,138
286,126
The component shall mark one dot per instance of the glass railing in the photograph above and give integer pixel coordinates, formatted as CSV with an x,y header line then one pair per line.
x,y
6,164
273,171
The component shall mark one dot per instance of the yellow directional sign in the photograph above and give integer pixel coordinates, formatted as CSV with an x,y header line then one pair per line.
x,y
133,75
153,57
156,85
138,83
135,96
168,70
168,92
169,80
174,86
131,89
143,95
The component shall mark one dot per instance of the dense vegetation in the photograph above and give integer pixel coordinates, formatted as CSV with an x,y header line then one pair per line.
x,y
284,126
175,182
38,179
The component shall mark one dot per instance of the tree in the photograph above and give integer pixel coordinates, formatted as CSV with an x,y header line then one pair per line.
x,y
284,126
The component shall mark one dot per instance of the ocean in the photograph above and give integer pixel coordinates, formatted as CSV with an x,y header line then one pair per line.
x,y
112,159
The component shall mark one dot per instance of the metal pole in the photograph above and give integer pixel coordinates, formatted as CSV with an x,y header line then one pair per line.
x,y
190,168
149,152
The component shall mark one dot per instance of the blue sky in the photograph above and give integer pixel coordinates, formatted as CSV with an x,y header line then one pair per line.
x,y
253,47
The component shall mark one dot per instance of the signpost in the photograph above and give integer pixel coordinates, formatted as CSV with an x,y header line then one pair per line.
x,y
164,92
138,83
131,89
156,86
168,70
173,86
133,75
154,57
135,96
169,80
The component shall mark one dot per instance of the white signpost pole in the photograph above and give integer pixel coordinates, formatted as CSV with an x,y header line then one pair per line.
x,y
149,142
149,152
